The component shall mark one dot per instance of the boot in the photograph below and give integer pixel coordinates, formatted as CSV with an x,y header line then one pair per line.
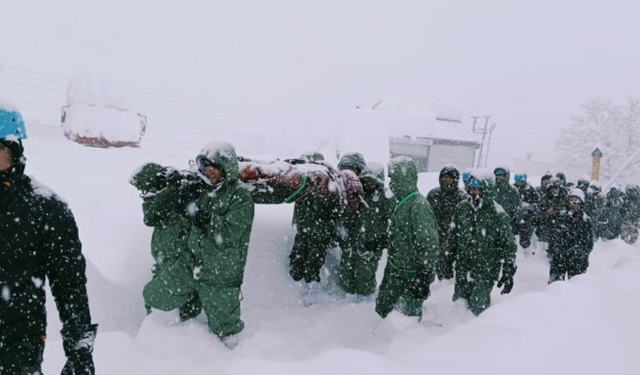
x,y
191,309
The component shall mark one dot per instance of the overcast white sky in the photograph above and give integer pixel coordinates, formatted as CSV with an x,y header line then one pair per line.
x,y
529,64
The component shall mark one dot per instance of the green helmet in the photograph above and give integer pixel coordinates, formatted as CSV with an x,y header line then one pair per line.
x,y
146,177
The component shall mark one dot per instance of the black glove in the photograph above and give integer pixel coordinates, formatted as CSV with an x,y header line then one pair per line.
x,y
201,219
78,347
419,283
508,271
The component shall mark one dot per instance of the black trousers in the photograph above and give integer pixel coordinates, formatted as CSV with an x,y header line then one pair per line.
x,y
309,254
21,347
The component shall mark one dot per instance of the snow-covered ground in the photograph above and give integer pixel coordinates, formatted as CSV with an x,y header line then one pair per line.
x,y
584,326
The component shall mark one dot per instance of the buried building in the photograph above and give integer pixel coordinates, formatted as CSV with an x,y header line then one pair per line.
x,y
432,135
101,111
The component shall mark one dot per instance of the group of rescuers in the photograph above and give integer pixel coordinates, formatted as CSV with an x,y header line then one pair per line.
x,y
201,231
202,219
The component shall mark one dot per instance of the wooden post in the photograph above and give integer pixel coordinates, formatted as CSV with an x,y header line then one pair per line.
x,y
595,166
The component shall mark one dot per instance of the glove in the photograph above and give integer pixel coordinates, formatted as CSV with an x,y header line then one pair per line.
x,y
78,346
79,364
201,219
419,284
508,271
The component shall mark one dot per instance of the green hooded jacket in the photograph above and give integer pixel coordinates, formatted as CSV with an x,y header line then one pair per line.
x,y
163,211
481,240
509,198
222,246
353,161
315,212
368,224
413,234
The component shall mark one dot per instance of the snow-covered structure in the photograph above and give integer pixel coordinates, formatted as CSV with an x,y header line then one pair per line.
x,y
432,135
101,111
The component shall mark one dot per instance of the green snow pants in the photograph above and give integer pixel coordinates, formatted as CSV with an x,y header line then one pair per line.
x,y
476,292
394,294
174,286
358,271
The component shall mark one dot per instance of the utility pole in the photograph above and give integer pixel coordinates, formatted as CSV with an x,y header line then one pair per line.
x,y
480,129
486,157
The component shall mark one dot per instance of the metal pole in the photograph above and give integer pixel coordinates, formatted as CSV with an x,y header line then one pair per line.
x,y
484,135
486,158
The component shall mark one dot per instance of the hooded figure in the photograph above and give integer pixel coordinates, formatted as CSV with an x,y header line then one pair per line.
x,y
443,201
529,207
544,181
39,242
610,222
594,194
315,217
365,235
570,240
480,245
554,200
166,194
630,214
508,197
413,244
221,218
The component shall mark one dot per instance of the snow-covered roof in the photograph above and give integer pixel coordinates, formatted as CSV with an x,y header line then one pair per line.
x,y
102,89
423,119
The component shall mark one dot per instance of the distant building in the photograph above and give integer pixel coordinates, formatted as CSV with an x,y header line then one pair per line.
x,y
433,135
431,154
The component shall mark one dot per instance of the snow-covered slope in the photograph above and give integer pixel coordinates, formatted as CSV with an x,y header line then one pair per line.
x,y
585,326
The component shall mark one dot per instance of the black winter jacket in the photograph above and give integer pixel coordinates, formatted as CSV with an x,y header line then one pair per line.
x,y
40,240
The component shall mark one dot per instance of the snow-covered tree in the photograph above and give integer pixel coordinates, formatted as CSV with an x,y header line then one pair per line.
x,y
615,129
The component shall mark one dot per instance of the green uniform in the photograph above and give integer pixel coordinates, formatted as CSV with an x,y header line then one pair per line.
x,y
217,241
365,236
413,242
479,242
165,212
509,198
314,217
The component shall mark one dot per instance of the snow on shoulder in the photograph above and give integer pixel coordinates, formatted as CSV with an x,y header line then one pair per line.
x,y
43,190
499,208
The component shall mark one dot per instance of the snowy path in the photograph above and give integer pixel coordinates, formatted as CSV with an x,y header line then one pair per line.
x,y
585,326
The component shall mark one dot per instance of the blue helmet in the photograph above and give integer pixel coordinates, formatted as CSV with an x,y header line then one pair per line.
x,y
11,123
465,176
474,183
520,177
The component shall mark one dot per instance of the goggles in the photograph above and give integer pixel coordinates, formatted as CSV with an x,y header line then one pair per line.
x,y
202,162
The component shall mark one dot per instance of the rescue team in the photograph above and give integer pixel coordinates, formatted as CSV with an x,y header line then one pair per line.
x,y
202,221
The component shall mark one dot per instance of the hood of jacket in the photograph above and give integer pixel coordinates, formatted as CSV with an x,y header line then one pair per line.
x,y
452,171
224,155
353,160
404,176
